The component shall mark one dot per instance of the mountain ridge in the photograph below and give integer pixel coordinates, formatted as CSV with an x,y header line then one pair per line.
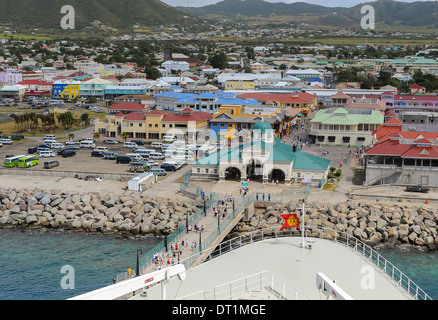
x,y
388,12
47,13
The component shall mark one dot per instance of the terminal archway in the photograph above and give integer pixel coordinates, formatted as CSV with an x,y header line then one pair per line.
x,y
232,173
277,174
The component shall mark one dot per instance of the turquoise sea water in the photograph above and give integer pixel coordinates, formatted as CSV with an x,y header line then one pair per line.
x,y
420,267
31,262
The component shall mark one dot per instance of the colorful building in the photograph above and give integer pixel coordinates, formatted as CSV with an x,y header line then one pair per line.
x,y
155,124
66,89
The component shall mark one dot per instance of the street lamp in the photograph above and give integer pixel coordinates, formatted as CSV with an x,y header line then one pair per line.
x,y
139,251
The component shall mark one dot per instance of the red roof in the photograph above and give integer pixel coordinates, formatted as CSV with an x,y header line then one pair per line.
x,y
388,148
156,112
393,121
416,86
421,152
134,116
390,113
120,114
35,82
340,95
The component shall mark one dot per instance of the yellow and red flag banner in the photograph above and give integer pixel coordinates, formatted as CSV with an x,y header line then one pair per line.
x,y
290,221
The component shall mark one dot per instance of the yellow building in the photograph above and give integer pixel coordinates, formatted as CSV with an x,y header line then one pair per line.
x,y
240,83
71,91
154,124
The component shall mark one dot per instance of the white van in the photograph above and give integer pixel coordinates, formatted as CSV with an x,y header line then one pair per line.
x,y
174,162
157,145
5,141
50,141
144,152
57,145
49,137
129,144
100,149
169,138
46,153
87,144
156,156
135,156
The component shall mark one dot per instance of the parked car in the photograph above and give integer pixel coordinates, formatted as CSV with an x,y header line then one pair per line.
x,y
158,172
45,146
111,141
60,151
157,145
97,153
156,156
46,154
51,164
6,141
32,150
68,153
57,146
71,143
17,137
130,144
87,144
138,142
40,149
152,163
168,167
123,159
73,148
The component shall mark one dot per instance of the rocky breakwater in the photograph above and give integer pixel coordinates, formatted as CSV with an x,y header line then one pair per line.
x,y
126,215
376,224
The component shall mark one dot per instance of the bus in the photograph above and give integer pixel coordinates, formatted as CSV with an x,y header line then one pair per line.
x,y
12,161
28,161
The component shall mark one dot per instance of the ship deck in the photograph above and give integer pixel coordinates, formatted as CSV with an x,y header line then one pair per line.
x,y
297,266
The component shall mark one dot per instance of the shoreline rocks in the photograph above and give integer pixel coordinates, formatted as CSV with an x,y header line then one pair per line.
x,y
376,224
126,215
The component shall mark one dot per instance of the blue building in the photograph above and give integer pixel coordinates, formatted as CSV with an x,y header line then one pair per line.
x,y
205,102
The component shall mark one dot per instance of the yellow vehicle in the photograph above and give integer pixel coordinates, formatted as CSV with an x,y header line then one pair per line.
x,y
135,166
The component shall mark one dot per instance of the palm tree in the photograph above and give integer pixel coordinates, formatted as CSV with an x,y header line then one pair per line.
x,y
71,136
124,136
84,117
96,135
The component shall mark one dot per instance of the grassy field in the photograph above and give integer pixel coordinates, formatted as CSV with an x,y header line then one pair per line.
x,y
9,127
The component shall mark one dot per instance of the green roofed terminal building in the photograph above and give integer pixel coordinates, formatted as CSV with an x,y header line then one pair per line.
x,y
264,158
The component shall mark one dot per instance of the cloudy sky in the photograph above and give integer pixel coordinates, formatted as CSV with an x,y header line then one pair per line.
x,y
326,3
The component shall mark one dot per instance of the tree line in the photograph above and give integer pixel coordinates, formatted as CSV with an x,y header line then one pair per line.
x,y
32,120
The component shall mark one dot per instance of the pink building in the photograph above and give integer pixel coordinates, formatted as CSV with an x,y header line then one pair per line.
x,y
11,77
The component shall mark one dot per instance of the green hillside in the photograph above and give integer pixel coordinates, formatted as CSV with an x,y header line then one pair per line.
x,y
117,14
388,12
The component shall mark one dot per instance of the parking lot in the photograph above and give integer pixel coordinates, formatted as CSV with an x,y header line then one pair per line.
x,y
81,162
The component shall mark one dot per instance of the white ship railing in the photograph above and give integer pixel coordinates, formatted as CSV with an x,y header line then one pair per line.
x,y
348,240
240,288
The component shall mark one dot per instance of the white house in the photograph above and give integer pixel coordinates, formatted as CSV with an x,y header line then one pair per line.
x,y
176,66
